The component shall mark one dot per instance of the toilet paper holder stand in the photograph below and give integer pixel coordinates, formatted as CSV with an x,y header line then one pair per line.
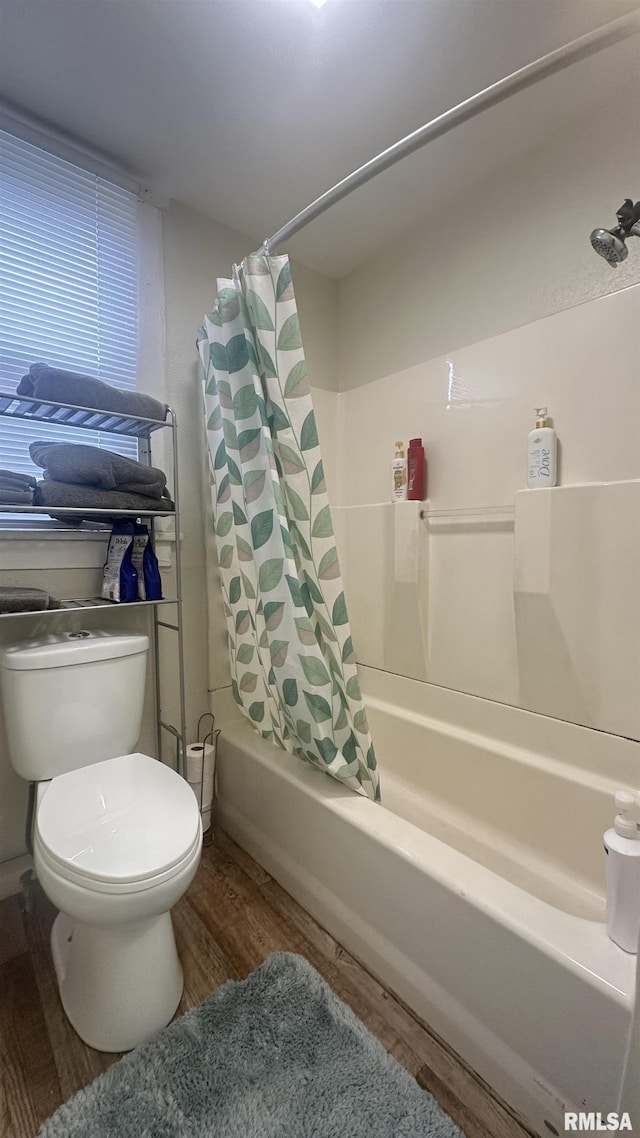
x,y
203,738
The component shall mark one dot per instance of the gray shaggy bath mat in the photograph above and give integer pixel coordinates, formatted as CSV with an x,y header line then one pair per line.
x,y
274,1056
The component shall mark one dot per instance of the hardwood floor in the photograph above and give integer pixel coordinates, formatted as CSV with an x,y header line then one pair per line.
x,y
233,915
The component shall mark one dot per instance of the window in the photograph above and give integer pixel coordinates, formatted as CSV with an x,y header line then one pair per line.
x,y
68,285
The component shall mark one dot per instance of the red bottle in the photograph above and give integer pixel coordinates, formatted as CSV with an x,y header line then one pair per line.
x,y
415,471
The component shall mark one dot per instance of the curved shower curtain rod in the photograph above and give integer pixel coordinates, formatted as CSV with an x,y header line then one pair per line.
x,y
562,57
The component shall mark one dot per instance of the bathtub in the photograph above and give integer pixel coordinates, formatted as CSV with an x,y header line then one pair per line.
x,y
475,892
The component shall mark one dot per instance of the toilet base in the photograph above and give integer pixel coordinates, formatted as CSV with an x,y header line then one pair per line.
x,y
118,985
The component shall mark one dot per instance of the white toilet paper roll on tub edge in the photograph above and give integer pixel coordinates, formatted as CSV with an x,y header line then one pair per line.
x,y
200,774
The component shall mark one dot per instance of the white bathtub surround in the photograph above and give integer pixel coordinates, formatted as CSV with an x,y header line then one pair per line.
x,y
577,608
630,1092
475,892
528,797
458,625
387,543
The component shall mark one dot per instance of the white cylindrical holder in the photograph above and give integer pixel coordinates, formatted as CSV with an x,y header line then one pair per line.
x,y
200,772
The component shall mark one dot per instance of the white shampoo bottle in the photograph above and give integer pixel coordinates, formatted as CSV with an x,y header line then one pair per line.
x,y
622,850
399,475
541,453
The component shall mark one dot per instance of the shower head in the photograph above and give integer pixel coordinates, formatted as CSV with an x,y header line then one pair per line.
x,y
611,243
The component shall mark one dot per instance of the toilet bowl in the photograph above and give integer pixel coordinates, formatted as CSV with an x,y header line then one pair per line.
x,y
117,835
116,845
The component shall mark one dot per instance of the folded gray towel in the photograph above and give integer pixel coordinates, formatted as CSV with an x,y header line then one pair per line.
x,y
11,497
87,498
24,600
90,466
12,481
44,382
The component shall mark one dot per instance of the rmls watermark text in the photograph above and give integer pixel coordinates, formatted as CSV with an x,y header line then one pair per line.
x,y
594,1121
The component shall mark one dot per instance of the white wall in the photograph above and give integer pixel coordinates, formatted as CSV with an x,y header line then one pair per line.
x,y
502,254
196,250
456,334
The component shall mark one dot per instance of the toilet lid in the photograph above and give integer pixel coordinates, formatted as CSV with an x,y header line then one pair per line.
x,y
120,820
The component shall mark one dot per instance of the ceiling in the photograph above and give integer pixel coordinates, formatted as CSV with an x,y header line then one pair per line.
x,y
247,110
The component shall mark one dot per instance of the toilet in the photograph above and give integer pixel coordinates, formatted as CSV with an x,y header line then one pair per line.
x,y
117,835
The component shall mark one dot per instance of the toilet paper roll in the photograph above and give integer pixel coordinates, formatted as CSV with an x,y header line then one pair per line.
x,y
200,775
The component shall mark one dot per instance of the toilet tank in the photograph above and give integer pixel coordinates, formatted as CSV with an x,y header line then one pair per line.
x,y
72,700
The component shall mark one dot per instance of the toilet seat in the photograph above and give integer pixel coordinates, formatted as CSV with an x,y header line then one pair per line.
x,y
64,871
118,826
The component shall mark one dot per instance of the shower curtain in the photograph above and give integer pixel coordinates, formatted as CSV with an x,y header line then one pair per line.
x,y
292,661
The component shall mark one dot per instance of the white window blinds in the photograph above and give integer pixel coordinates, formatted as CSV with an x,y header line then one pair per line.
x,y
68,285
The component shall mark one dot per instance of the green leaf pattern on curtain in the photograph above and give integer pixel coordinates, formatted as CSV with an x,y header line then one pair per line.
x,y
292,662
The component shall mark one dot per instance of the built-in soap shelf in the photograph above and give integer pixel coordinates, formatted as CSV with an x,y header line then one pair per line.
x,y
467,515
441,517
425,511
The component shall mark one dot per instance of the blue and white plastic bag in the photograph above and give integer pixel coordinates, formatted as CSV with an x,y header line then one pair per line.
x,y
120,580
145,563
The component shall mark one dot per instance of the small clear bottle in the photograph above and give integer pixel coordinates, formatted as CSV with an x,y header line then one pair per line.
x,y
541,453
